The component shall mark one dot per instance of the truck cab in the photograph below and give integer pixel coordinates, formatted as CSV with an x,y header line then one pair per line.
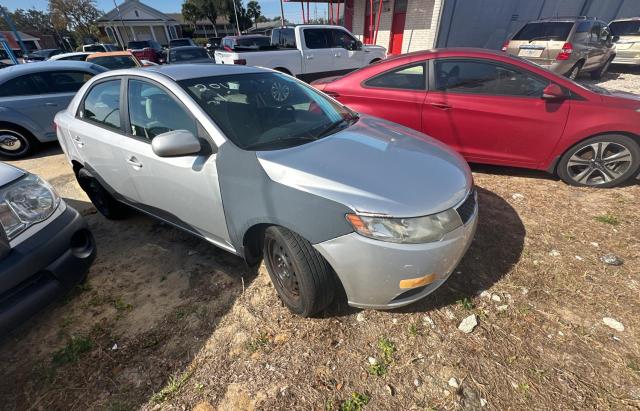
x,y
308,52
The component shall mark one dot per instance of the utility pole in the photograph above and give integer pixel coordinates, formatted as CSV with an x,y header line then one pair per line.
x,y
124,28
281,14
235,11
12,27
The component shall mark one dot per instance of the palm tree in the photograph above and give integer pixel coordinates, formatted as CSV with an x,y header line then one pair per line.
x,y
253,11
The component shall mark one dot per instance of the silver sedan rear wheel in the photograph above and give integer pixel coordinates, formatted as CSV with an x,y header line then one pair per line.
x,y
605,161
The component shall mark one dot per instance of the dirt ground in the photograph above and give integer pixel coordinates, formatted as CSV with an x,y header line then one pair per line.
x,y
167,321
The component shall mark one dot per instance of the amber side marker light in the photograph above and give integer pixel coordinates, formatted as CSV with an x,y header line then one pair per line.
x,y
417,282
357,223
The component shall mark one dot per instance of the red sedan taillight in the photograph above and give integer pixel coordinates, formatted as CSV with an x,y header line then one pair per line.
x,y
505,46
565,53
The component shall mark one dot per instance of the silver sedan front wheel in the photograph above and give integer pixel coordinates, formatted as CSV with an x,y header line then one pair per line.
x,y
604,161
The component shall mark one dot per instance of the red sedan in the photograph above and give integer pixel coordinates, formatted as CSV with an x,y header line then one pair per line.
x,y
498,109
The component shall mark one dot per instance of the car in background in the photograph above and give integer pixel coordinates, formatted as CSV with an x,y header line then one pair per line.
x,y
188,54
100,47
213,44
182,42
31,95
626,35
566,46
41,55
149,50
305,182
497,109
308,52
75,56
115,60
4,65
46,248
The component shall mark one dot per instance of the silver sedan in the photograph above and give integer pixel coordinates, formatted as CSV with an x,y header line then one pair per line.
x,y
264,166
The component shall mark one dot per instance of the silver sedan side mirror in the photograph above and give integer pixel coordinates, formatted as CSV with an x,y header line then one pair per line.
x,y
175,143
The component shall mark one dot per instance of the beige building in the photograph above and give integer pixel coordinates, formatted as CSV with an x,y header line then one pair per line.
x,y
134,20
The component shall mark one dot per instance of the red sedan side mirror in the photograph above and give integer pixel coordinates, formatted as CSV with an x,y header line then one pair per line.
x,y
553,92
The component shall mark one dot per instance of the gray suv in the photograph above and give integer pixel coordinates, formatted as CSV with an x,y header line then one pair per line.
x,y
261,164
566,46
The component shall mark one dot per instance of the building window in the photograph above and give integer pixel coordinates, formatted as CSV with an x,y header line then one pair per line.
x,y
136,12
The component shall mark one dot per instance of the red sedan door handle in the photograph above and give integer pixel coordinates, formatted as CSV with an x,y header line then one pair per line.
x,y
441,106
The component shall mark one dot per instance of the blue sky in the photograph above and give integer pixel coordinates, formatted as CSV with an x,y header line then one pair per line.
x,y
270,8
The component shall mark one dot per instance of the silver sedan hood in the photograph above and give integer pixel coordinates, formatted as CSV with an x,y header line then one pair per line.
x,y
376,167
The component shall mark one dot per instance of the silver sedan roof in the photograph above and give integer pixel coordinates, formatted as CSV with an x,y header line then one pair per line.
x,y
189,71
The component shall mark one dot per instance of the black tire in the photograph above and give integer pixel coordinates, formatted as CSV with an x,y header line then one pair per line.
x,y
374,61
302,277
574,73
16,142
586,165
599,73
100,197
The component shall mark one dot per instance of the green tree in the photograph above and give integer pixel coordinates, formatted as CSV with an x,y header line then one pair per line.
x,y
254,11
76,16
211,9
243,19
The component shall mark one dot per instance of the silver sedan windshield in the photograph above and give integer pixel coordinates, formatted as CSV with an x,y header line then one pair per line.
x,y
267,111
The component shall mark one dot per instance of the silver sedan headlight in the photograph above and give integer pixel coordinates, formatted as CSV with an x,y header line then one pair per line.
x,y
414,230
25,202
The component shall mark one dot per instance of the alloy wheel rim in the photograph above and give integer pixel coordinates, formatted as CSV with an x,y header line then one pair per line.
x,y
599,163
10,142
283,271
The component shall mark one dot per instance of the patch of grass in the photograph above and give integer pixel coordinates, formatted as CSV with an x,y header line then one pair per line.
x,y
466,304
184,312
173,386
378,369
633,366
608,219
412,330
523,387
120,305
387,348
72,351
355,403
257,343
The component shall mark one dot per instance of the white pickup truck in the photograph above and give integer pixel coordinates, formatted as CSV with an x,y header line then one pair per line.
x,y
308,52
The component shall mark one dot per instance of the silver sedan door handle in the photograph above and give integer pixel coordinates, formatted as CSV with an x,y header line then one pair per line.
x,y
51,104
336,55
78,142
309,57
134,162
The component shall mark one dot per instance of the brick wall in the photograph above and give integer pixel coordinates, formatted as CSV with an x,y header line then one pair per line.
x,y
420,28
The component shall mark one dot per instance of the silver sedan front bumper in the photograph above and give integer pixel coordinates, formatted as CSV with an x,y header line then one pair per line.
x,y
371,270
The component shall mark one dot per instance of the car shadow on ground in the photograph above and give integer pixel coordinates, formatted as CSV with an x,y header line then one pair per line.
x,y
43,150
496,248
153,297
